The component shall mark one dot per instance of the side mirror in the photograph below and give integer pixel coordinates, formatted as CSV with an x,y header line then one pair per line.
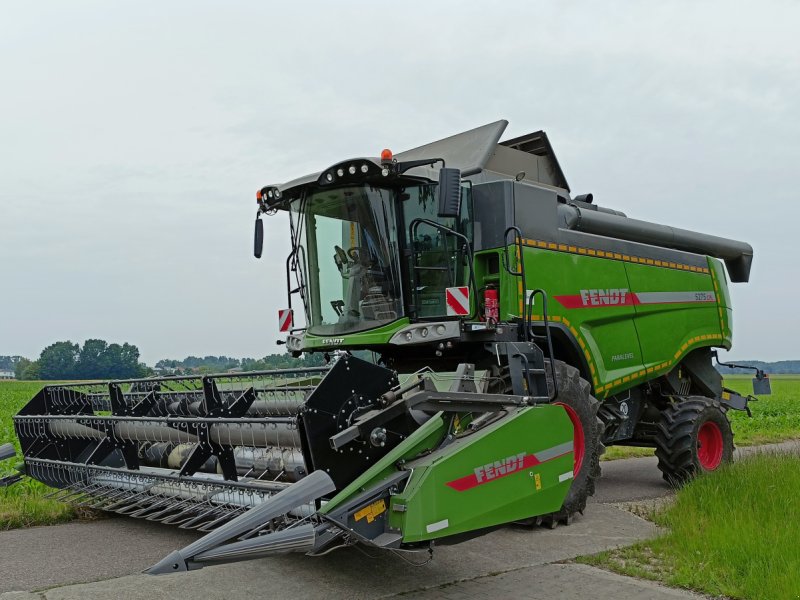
x,y
449,192
258,245
761,384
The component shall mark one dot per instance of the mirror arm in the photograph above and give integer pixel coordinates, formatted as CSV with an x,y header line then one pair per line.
x,y
760,374
402,167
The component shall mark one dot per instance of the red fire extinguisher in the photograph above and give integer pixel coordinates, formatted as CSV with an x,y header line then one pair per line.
x,y
491,305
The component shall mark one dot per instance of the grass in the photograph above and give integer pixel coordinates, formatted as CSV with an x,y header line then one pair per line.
x,y
733,533
23,504
775,418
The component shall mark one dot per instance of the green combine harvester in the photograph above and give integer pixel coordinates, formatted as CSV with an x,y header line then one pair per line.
x,y
513,331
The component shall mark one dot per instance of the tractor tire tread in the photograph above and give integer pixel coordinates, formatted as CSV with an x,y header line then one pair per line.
x,y
676,437
571,386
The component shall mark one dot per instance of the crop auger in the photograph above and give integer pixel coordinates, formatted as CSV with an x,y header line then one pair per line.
x,y
516,331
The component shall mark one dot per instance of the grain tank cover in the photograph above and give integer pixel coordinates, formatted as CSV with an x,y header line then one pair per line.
x,y
468,151
529,157
537,146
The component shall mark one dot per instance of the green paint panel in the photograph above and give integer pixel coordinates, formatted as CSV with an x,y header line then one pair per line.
x,y
631,321
606,330
665,326
487,497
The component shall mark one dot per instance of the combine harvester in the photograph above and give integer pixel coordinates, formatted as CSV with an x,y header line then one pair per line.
x,y
518,330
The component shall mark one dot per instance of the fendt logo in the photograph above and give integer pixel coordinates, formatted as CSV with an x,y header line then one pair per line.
x,y
494,470
604,297
499,468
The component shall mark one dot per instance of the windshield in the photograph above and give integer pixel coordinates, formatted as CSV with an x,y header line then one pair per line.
x,y
351,259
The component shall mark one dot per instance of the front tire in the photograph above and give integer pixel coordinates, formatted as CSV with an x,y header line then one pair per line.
x,y
693,437
575,395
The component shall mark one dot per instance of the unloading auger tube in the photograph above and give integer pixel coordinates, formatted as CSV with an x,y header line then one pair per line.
x,y
392,465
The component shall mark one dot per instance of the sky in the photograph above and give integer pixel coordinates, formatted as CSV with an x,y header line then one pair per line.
x,y
133,136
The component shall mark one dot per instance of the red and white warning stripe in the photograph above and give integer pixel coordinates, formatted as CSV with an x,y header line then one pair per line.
x,y
457,300
285,319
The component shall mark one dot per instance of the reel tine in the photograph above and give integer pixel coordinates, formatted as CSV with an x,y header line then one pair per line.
x,y
59,493
196,521
112,495
90,496
134,506
158,502
125,501
81,489
221,519
170,508
191,508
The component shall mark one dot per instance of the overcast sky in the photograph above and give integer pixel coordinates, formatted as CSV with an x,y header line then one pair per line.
x,y
133,136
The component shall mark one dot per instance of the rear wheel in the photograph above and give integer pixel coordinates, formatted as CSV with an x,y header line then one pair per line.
x,y
693,437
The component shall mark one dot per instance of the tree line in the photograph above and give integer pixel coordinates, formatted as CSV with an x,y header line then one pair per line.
x,y
9,363
210,364
96,359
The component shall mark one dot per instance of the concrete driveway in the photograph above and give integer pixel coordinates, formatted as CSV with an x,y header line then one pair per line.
x,y
512,562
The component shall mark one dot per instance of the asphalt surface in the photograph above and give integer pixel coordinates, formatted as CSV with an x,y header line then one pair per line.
x,y
44,557
112,552
349,573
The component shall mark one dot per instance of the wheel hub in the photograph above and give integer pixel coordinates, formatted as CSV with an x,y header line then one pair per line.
x,y
709,446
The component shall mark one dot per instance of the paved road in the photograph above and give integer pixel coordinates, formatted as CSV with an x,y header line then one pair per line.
x,y
503,556
113,552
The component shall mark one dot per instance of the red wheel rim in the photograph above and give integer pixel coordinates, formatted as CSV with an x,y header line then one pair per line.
x,y
578,446
709,445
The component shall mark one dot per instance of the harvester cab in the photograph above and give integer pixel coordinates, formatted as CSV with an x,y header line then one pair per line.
x,y
375,242
488,335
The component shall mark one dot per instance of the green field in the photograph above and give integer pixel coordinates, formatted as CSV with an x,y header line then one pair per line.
x,y
775,418
22,504
732,534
